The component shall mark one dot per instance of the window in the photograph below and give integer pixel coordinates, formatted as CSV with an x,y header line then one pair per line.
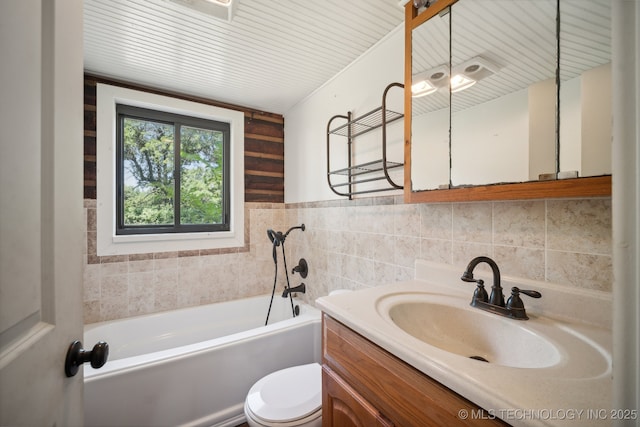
x,y
172,173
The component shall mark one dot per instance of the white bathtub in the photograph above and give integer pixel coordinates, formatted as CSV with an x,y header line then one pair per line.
x,y
194,366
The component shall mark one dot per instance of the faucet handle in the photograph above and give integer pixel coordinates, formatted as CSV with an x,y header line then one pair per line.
x,y
302,268
532,294
515,304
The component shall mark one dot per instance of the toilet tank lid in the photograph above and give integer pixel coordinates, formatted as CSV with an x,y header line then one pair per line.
x,y
288,394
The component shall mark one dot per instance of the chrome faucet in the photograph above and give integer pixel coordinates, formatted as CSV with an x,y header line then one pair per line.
x,y
514,307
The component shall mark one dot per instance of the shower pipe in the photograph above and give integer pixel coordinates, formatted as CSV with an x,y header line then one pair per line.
x,y
277,239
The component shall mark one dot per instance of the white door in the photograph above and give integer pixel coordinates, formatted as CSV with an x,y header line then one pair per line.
x,y
41,101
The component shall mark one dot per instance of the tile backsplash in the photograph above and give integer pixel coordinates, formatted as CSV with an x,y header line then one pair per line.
x,y
376,241
360,243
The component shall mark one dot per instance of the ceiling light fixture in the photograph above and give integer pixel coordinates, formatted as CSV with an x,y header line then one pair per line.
x,y
422,88
461,82
221,9
478,68
471,71
430,81
463,77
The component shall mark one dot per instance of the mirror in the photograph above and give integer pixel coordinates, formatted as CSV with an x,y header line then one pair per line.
x,y
503,124
585,87
430,104
503,127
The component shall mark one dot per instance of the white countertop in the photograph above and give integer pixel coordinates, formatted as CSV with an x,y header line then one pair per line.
x,y
575,391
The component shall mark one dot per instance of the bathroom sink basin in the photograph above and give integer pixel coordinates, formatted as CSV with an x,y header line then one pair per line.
x,y
473,333
551,359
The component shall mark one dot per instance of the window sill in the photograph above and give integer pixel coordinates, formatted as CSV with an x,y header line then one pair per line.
x,y
125,245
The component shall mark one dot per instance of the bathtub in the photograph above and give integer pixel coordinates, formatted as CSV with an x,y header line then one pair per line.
x,y
194,366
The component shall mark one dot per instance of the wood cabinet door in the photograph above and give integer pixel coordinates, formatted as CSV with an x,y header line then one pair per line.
x,y
390,386
342,406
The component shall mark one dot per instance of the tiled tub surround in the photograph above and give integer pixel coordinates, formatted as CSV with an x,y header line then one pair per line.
x,y
129,285
360,243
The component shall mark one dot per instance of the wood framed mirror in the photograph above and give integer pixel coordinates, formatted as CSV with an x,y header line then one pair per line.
x,y
426,180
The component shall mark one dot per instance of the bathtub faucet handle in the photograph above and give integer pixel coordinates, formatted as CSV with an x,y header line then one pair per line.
x,y
302,268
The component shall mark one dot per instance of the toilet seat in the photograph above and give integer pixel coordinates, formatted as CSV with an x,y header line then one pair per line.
x,y
313,420
285,396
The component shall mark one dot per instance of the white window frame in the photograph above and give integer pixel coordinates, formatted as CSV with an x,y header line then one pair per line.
x,y
108,243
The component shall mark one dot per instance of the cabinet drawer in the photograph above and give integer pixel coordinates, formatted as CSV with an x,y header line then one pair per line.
x,y
400,392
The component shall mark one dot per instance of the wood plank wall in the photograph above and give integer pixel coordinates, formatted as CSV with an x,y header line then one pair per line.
x,y
263,144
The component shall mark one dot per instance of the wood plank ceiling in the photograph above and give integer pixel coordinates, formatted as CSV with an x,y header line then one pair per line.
x,y
275,53
269,57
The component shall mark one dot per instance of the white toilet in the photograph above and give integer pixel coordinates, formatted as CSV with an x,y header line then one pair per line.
x,y
287,398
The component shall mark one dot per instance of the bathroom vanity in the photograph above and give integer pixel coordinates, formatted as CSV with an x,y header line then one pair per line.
x,y
416,353
365,385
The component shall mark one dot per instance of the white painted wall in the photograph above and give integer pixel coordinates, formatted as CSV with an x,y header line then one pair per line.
x,y
586,122
358,88
596,121
570,125
430,150
542,128
490,142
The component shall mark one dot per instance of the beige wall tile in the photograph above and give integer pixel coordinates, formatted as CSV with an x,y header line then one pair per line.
x,y
165,288
464,252
348,241
141,284
472,222
364,244
113,268
519,223
161,264
114,286
520,262
359,244
91,277
407,220
582,226
140,266
383,247
404,273
91,219
91,311
384,273
407,249
141,294
436,250
580,270
436,221
114,308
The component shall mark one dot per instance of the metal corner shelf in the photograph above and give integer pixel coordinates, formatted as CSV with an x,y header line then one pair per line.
x,y
377,118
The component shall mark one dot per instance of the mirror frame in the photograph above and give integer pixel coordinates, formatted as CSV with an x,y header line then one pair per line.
x,y
598,186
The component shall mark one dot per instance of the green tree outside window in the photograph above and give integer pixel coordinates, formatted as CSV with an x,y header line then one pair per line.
x,y
173,174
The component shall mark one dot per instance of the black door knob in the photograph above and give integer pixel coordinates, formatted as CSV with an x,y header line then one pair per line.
x,y
76,356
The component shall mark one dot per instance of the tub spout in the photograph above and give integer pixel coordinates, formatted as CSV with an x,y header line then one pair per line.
x,y
300,288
